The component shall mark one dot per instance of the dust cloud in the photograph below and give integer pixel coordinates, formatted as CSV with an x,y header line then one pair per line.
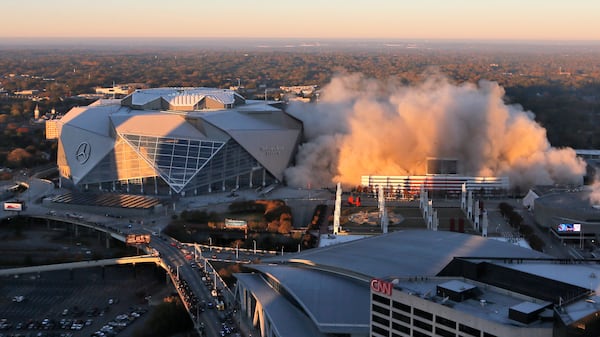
x,y
594,195
362,126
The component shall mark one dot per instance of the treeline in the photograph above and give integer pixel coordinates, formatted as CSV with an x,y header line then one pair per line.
x,y
516,221
561,87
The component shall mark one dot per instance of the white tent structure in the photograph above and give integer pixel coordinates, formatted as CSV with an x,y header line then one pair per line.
x,y
529,199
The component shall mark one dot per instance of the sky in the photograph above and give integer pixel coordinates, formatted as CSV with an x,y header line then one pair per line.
x,y
564,20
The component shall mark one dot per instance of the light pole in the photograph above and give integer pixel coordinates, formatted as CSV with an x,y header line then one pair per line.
x,y
210,243
178,273
254,245
237,251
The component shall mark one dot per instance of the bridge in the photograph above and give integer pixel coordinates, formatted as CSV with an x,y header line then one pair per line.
x,y
192,286
165,253
81,264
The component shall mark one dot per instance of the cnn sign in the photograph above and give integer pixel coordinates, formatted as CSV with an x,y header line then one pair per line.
x,y
382,287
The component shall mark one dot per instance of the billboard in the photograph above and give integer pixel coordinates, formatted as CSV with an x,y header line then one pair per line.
x,y
136,239
237,224
568,227
13,206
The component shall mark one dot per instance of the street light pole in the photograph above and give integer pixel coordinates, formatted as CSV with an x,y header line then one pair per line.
x,y
254,244
210,243
178,273
237,251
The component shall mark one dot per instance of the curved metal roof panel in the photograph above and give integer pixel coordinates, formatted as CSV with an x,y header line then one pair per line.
x,y
325,297
183,96
405,253
155,124
293,322
93,118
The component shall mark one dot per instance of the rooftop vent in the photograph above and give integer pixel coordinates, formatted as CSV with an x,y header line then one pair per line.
x,y
526,312
455,290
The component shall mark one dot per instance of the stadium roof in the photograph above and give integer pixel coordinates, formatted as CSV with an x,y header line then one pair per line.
x,y
184,96
296,324
404,253
324,297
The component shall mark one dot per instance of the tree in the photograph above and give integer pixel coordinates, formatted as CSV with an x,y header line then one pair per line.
x,y
18,157
15,110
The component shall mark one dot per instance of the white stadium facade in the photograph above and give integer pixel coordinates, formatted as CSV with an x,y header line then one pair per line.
x,y
181,141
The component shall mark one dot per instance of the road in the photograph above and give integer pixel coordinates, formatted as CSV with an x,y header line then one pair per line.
x,y
188,281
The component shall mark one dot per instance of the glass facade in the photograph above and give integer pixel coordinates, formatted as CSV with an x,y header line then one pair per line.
x,y
185,165
176,160
122,163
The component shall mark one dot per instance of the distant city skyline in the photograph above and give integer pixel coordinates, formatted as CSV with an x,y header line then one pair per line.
x,y
332,19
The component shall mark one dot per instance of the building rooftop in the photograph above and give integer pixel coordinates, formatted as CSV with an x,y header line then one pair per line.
x,y
490,304
294,322
404,253
325,297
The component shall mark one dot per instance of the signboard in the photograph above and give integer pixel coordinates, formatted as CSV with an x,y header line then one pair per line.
x,y
231,223
382,287
568,227
13,206
136,239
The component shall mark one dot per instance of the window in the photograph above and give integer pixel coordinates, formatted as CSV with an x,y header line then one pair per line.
x,y
380,310
401,306
468,330
444,333
401,328
379,330
400,317
421,325
485,334
420,334
445,321
423,314
381,320
381,299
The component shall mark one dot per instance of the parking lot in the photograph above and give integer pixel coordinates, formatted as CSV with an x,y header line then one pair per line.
x,y
106,301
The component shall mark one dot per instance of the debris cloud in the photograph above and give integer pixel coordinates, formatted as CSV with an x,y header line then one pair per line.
x,y
362,126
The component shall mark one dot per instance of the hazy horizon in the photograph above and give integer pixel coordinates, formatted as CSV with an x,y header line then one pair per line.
x,y
289,44
549,20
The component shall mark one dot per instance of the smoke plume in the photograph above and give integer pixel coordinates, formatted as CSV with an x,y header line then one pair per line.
x,y
595,192
362,126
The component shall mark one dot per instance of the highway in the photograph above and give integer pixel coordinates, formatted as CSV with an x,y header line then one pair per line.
x,y
188,281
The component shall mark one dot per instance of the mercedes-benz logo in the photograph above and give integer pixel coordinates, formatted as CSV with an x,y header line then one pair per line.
x,y
83,152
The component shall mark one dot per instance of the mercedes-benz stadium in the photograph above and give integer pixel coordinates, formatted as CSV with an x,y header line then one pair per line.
x,y
175,141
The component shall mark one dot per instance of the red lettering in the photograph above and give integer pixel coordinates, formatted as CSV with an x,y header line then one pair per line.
x,y
382,287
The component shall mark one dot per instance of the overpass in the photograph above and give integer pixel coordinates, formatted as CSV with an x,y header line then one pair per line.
x,y
81,264
163,254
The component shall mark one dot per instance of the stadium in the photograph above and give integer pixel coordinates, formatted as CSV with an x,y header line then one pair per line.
x,y
421,283
167,141
565,208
